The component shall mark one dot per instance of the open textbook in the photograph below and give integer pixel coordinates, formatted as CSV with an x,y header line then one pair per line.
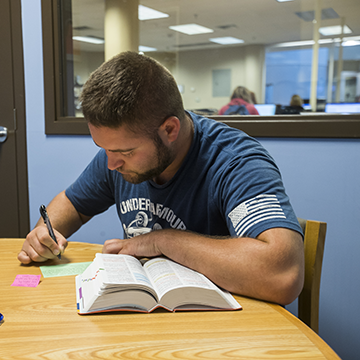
x,y
123,283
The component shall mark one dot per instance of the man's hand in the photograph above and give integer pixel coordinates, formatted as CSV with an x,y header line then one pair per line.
x,y
39,246
139,246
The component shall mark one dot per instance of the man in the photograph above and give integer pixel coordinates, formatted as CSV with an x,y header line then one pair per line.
x,y
195,190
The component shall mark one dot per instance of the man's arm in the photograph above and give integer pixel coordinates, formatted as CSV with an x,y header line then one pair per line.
x,y
270,267
65,220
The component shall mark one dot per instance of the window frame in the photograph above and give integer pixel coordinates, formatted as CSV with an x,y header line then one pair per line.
x,y
289,126
55,124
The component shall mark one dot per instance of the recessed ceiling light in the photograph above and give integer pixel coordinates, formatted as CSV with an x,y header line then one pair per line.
x,y
226,40
347,41
303,43
326,14
295,43
146,13
143,48
191,29
334,30
283,0
89,39
351,43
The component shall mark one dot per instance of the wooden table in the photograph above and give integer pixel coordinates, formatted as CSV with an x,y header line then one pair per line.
x,y
42,323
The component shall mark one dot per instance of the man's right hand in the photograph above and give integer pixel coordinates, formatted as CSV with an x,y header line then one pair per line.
x,y
39,246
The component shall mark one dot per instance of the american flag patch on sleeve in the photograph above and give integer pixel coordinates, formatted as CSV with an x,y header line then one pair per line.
x,y
255,210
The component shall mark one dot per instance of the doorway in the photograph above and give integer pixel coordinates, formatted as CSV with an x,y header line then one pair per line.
x,y
14,203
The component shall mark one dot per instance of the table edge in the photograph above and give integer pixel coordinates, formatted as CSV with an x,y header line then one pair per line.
x,y
326,350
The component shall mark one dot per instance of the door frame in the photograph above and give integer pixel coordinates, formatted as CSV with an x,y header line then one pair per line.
x,y
19,117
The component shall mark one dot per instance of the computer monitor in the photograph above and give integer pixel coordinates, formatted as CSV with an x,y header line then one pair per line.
x,y
320,105
265,109
287,110
342,108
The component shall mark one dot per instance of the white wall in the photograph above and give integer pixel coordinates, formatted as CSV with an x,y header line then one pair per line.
x,y
86,63
194,72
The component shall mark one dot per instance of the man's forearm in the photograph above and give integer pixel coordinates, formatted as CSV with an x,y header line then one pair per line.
x,y
268,268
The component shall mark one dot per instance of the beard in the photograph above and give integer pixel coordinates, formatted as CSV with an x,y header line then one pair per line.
x,y
163,158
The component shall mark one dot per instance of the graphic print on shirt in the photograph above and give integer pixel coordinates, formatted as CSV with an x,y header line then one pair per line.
x,y
255,210
140,216
138,226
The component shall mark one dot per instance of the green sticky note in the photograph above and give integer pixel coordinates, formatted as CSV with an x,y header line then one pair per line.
x,y
64,269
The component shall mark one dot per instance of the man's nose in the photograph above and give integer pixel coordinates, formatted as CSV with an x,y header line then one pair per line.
x,y
114,161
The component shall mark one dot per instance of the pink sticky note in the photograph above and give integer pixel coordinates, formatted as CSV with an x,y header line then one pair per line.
x,y
26,280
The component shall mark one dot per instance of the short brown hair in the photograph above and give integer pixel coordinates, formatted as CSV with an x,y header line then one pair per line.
x,y
296,100
132,90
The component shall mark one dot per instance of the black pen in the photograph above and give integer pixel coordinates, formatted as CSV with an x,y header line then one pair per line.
x,y
45,216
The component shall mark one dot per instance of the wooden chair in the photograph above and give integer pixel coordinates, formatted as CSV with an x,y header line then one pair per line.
x,y
308,301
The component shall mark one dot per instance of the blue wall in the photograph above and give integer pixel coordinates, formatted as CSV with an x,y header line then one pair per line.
x,y
321,178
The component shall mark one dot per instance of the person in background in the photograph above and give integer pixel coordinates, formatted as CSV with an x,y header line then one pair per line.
x,y
253,97
186,187
240,96
297,102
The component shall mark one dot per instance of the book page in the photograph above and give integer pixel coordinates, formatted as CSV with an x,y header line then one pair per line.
x,y
89,285
167,275
113,280
122,269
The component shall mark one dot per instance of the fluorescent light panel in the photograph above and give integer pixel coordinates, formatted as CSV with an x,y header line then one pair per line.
x,y
351,43
89,39
334,30
351,38
191,29
295,43
347,41
146,13
326,14
143,48
226,40
284,0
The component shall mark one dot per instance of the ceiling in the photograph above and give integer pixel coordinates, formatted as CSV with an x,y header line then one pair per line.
x,y
265,22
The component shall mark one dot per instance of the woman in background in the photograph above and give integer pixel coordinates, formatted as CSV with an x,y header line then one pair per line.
x,y
240,96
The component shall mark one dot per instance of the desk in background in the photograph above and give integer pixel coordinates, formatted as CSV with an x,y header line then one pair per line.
x,y
42,323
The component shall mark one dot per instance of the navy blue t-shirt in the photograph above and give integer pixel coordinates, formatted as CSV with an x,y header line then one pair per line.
x,y
228,184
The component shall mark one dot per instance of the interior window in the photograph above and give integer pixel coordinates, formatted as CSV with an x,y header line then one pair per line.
x,y
276,49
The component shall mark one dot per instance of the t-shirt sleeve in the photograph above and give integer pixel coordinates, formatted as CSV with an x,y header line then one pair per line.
x,y
92,192
254,198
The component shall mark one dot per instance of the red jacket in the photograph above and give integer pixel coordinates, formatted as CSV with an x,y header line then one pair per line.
x,y
250,107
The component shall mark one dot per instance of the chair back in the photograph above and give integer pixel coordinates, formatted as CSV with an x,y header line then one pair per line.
x,y
308,301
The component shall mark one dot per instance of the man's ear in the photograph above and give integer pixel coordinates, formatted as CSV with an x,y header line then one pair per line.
x,y
169,130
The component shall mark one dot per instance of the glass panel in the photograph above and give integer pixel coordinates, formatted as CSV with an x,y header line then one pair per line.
x,y
82,46
272,55
288,72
